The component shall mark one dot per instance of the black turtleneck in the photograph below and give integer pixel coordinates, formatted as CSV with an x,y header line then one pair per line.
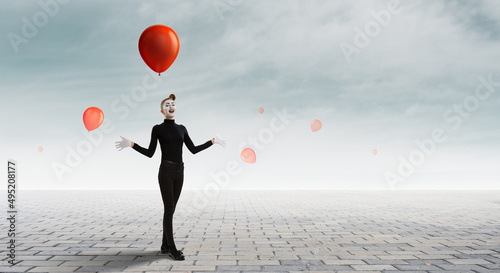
x,y
171,136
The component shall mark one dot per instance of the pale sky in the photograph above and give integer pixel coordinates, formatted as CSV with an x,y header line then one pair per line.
x,y
374,81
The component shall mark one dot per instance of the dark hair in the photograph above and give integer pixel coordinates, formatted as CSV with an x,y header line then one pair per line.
x,y
172,96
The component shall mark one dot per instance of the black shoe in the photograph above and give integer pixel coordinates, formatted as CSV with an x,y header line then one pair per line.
x,y
176,256
163,251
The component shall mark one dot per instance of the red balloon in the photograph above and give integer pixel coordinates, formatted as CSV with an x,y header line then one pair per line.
x,y
93,118
248,155
159,46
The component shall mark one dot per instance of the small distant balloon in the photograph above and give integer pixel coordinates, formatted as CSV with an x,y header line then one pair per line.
x,y
248,155
374,151
40,149
93,118
261,110
315,125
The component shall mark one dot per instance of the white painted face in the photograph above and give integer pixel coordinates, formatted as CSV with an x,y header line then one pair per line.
x,y
168,109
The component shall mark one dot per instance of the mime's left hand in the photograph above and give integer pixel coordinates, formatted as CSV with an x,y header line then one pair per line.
x,y
219,141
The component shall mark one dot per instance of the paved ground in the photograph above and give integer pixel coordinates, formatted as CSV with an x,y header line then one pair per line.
x,y
258,231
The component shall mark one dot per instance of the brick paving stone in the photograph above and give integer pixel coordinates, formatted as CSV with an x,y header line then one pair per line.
x,y
260,231
100,269
53,269
340,271
123,263
15,268
236,268
356,271
193,267
57,252
417,267
374,267
127,271
169,261
381,262
301,262
396,257
428,261
33,258
68,258
462,267
259,262
343,262
215,262
357,257
434,257
111,258
467,261
414,271
41,263
284,268
151,268
97,253
83,263
492,266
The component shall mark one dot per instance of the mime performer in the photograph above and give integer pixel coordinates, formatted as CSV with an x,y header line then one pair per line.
x,y
171,174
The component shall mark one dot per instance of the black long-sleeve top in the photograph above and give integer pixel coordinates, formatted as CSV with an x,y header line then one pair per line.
x,y
171,136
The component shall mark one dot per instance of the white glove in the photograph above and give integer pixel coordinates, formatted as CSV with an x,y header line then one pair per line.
x,y
120,145
220,141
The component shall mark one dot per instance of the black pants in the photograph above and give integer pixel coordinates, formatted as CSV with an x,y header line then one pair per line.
x,y
170,178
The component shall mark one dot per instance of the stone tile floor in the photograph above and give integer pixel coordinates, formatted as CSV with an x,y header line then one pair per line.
x,y
257,231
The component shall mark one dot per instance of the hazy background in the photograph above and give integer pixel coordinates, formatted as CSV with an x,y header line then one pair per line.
x,y
238,56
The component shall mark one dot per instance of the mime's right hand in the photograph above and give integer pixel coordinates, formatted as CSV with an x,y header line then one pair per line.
x,y
120,145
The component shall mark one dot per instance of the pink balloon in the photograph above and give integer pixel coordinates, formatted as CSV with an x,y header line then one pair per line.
x,y
248,155
40,149
315,125
261,110
374,152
